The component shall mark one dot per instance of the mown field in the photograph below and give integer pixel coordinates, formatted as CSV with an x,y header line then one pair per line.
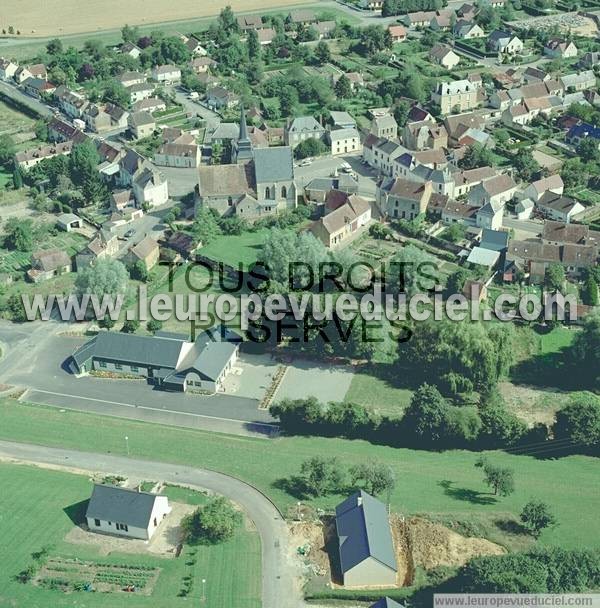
x,y
63,17
236,249
427,482
37,507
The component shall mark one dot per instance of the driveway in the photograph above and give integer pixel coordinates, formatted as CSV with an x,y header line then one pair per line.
x,y
306,378
279,574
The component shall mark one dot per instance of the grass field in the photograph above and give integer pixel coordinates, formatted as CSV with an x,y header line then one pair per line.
x,y
37,507
234,250
427,482
13,121
378,395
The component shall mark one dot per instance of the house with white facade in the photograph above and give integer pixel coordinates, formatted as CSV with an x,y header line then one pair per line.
x,y
125,512
344,141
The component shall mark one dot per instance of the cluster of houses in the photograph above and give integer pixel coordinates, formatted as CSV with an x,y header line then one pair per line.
x,y
365,545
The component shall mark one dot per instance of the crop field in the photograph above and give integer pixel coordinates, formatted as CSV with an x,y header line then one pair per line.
x,y
39,508
63,17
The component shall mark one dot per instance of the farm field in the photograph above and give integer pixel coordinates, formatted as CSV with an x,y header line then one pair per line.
x,y
427,482
63,17
38,508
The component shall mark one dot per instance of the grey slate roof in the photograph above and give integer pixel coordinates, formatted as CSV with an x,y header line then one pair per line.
x,y
121,505
364,531
144,350
213,349
495,240
273,165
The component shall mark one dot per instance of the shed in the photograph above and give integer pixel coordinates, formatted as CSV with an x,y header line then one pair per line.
x,y
69,221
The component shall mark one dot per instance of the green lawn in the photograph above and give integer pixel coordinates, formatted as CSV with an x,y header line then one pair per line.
x,y
556,340
233,250
427,482
37,507
378,395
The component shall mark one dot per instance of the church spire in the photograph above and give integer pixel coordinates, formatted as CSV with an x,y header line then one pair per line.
x,y
243,147
243,127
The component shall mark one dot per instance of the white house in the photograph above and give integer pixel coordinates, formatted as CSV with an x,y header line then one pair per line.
x,y
344,141
166,73
490,216
443,55
125,512
524,209
7,68
557,48
150,188
552,183
504,42
559,208
496,190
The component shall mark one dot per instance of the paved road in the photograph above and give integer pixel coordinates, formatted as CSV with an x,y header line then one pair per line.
x,y
524,225
18,95
280,589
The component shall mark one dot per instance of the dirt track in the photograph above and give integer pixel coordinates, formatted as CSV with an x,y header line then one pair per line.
x,y
60,17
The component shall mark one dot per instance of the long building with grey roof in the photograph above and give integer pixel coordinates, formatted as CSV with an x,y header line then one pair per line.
x,y
366,547
169,361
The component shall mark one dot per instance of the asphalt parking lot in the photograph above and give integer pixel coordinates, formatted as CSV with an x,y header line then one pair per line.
x,y
50,383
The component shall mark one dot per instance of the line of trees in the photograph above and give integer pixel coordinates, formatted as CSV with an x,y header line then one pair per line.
x,y
431,422
320,476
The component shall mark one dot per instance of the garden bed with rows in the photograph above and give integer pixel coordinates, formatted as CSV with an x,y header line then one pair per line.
x,y
68,574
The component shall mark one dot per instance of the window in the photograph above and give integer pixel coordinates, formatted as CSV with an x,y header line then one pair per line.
x,y
122,527
118,366
283,192
102,363
230,202
155,522
97,523
267,192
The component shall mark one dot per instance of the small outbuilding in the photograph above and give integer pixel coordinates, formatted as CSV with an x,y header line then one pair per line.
x,y
69,221
125,512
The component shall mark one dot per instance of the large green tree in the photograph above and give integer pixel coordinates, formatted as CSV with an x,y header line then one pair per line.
x,y
212,523
105,277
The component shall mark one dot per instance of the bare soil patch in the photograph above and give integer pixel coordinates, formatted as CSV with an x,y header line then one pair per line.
x,y
60,17
531,404
417,542
433,545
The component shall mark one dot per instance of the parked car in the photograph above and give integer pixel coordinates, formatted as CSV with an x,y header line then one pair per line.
x,y
130,233
306,162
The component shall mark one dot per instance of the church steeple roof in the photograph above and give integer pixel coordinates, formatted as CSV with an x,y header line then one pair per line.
x,y
243,147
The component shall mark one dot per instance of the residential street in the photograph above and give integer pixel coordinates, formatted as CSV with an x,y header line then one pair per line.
x,y
280,587
11,91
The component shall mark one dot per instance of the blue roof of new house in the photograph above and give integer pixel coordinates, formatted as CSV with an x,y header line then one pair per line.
x,y
363,529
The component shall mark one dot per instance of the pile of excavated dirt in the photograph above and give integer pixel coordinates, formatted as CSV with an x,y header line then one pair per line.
x,y
417,541
433,545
